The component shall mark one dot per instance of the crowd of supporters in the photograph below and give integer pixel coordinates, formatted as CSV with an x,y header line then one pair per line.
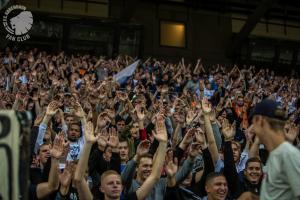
x,y
169,131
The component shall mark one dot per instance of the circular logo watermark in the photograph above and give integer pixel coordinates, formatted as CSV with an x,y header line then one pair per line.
x,y
17,21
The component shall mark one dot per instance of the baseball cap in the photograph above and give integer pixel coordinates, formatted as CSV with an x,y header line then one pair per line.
x,y
269,108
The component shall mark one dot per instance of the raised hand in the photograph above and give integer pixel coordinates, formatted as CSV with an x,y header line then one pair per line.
x,y
188,138
212,116
78,111
191,115
103,138
206,106
89,133
200,137
59,145
171,167
228,130
140,113
160,133
292,132
249,133
66,177
143,148
113,139
52,108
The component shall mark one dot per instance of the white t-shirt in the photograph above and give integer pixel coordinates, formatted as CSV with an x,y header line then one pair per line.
x,y
282,178
75,149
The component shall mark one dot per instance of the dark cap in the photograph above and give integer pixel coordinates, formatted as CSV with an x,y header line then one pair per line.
x,y
269,108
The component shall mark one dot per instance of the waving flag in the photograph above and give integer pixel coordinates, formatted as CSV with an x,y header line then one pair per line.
x,y
125,73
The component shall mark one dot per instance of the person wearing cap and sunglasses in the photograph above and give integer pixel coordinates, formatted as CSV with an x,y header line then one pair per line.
x,y
281,180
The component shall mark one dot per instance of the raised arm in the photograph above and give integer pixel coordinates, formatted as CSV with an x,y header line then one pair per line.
x,y
51,110
216,129
140,112
79,112
17,102
200,177
81,184
188,163
161,136
212,146
65,179
37,105
129,171
196,71
171,170
113,142
254,149
56,152
230,171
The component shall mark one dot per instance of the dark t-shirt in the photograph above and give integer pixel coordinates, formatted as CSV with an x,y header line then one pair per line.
x,y
131,196
32,192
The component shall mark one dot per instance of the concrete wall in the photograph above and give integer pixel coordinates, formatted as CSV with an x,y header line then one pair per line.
x,y
207,34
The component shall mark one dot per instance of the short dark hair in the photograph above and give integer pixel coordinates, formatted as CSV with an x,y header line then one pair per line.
x,y
148,155
119,119
212,176
44,144
253,159
76,124
121,139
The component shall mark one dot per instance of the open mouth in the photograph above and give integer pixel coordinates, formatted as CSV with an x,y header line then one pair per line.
x,y
254,175
221,195
147,174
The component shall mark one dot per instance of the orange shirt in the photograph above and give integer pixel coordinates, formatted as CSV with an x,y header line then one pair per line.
x,y
241,112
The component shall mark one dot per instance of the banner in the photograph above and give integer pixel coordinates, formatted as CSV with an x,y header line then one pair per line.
x,y
14,154
9,155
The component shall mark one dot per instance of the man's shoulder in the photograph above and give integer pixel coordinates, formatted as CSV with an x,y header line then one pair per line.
x,y
287,148
286,151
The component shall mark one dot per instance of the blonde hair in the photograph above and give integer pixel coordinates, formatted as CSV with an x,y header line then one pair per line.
x,y
109,172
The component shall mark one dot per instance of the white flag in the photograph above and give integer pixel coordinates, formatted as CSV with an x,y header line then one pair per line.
x,y
125,73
